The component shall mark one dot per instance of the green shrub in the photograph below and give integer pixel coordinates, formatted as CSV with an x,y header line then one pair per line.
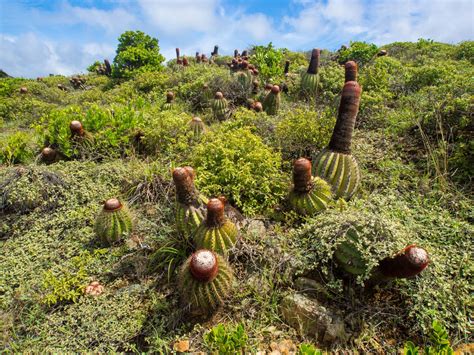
x,y
309,349
268,60
237,164
226,339
465,50
16,148
439,340
360,52
331,80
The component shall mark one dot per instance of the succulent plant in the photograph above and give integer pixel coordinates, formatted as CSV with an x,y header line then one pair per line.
x,y
310,79
219,106
113,222
205,280
108,68
197,126
23,90
198,57
190,204
178,59
348,256
49,155
350,69
271,103
309,195
407,263
245,76
169,104
217,232
335,164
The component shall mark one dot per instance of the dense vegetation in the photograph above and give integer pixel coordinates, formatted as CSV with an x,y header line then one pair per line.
x,y
415,148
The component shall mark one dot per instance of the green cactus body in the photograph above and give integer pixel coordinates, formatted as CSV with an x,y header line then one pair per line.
x,y
340,170
347,255
245,78
216,233
271,103
207,289
197,126
219,107
167,106
310,83
113,222
314,201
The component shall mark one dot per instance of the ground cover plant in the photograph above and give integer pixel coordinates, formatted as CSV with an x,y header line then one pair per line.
x,y
192,207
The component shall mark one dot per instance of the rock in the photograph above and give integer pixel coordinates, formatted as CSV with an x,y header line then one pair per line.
x,y
312,287
181,346
311,318
255,227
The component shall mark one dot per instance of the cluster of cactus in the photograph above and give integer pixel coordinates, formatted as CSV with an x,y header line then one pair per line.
x,y
104,69
201,58
113,222
271,103
219,106
78,82
310,79
184,61
197,127
169,104
335,164
62,87
309,195
205,280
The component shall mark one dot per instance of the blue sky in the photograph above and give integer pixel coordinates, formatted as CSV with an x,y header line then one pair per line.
x,y
38,37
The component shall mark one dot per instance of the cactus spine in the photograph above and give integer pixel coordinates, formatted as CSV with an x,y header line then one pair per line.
x,y
219,106
216,233
310,195
190,204
310,79
335,164
271,103
113,222
205,280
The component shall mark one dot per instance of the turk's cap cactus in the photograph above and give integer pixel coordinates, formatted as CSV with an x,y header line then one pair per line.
x,y
215,212
314,61
203,265
48,154
287,67
76,128
408,263
112,205
219,95
268,86
169,96
275,89
348,108
302,179
183,178
350,69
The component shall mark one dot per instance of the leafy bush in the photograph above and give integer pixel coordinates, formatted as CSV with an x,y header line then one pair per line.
x,y
360,52
309,349
16,148
439,339
137,52
465,50
237,164
226,339
268,60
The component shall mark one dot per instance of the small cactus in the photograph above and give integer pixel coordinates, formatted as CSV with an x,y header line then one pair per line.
x,y
245,76
219,106
23,90
205,280
190,204
271,103
197,126
169,104
310,195
407,263
113,222
350,69
216,233
335,164
108,67
49,155
77,129
310,79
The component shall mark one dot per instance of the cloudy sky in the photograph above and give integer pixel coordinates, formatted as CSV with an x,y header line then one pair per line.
x,y
38,37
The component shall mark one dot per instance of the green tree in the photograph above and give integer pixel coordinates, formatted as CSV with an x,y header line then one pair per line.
x,y
361,52
268,60
137,52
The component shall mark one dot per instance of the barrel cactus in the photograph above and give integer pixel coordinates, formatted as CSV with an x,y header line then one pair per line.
x,y
49,155
244,76
113,222
217,232
197,126
168,105
271,103
219,106
350,69
190,204
407,263
310,79
205,280
335,164
348,256
309,195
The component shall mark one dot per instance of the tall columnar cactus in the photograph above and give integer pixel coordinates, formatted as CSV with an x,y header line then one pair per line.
x,y
190,204
169,104
350,71
197,126
309,195
216,233
113,222
205,281
310,79
178,59
407,263
108,67
219,106
335,164
271,103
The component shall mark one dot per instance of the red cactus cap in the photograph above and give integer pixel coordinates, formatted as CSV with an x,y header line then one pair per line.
x,y
190,170
203,265
169,95
408,263
268,86
302,178
218,95
275,89
48,153
257,106
350,71
254,71
76,127
112,204
23,90
184,180
215,212
196,119
244,64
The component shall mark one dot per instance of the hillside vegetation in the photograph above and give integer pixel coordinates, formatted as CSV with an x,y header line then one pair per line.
x,y
64,289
